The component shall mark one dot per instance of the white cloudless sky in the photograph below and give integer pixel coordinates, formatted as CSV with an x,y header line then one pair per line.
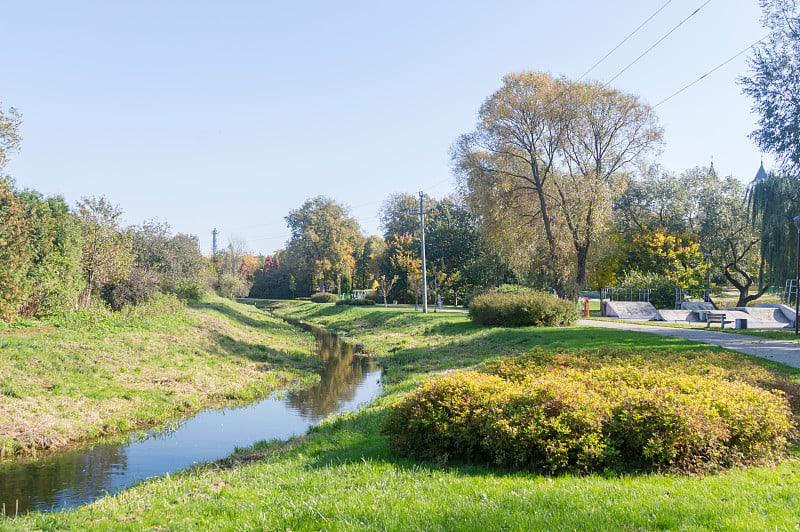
x,y
230,114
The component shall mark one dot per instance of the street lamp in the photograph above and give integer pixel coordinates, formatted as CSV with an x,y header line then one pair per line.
x,y
708,276
797,278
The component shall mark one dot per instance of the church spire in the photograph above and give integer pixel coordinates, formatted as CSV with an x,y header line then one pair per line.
x,y
761,174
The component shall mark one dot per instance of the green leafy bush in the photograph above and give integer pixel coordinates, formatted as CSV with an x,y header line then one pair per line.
x,y
189,290
552,412
518,309
356,302
324,297
445,417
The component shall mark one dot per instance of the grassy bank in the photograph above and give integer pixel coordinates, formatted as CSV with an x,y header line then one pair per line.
x,y
80,375
342,476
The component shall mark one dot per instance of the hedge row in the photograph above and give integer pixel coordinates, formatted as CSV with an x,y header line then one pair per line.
x,y
324,297
510,309
592,418
364,302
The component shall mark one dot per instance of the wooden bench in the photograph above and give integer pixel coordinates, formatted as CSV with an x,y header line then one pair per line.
x,y
717,317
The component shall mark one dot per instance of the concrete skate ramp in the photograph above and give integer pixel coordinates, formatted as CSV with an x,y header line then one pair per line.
x,y
765,314
697,305
786,311
631,310
674,316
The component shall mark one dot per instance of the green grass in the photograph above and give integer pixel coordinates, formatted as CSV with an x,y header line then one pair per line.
x,y
342,476
84,374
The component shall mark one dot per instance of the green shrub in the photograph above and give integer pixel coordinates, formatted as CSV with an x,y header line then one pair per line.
x,y
518,309
324,297
445,417
356,302
556,412
189,290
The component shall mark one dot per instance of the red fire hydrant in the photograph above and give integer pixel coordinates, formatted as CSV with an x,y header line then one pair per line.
x,y
586,306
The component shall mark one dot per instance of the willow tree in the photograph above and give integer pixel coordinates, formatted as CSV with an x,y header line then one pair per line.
x,y
774,83
543,165
773,201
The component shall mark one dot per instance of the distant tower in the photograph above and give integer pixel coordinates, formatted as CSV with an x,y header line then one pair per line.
x,y
761,174
214,242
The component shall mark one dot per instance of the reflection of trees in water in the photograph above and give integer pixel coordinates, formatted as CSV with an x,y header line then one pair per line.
x,y
75,477
60,478
344,371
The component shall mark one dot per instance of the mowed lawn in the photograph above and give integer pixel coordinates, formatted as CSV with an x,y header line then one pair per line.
x,y
342,475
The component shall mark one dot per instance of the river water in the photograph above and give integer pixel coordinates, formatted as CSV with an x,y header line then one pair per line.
x,y
78,476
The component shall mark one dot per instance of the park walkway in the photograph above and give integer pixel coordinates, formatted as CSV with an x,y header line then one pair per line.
x,y
782,351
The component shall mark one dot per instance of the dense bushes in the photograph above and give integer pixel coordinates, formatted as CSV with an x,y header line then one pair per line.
x,y
579,415
324,297
39,254
509,309
138,288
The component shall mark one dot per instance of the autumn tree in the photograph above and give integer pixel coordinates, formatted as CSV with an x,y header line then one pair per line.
x,y
544,163
368,262
324,242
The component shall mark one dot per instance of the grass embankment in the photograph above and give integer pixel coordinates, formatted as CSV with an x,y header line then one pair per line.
x,y
342,476
81,375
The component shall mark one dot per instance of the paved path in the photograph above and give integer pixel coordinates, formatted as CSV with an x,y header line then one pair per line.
x,y
778,350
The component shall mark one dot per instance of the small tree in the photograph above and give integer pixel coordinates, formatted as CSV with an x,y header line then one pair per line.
x,y
385,287
107,252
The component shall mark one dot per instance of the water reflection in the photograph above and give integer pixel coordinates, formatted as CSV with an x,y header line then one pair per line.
x,y
79,476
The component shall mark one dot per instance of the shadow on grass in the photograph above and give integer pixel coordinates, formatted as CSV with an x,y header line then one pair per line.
x,y
304,359
229,312
256,352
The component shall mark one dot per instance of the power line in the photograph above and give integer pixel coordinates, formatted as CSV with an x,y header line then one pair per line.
x,y
681,23
708,73
623,41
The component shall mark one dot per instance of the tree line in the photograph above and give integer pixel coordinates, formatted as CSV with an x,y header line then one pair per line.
x,y
558,188
54,257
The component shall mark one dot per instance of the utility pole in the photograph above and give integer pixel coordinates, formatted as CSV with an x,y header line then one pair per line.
x,y
214,242
422,214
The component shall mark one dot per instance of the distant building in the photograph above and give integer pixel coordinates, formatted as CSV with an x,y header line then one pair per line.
x,y
761,174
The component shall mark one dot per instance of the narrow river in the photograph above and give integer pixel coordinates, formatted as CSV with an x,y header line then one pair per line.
x,y
75,477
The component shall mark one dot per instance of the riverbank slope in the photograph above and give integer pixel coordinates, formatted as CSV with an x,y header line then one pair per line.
x,y
94,373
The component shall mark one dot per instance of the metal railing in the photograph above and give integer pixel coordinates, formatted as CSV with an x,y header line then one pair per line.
x,y
691,294
625,294
622,294
790,291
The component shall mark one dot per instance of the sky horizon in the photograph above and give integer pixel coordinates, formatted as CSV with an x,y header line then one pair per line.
x,y
209,115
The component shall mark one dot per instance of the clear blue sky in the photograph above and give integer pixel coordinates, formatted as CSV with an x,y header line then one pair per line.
x,y
230,114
